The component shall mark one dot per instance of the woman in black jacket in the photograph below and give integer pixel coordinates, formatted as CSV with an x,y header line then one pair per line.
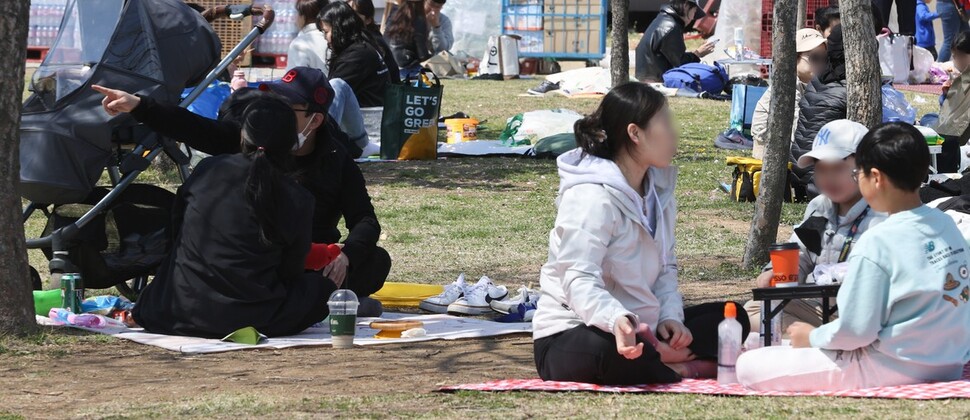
x,y
824,100
662,46
365,9
239,247
356,57
407,34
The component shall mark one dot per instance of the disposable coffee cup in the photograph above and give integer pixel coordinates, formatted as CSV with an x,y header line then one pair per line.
x,y
784,264
343,318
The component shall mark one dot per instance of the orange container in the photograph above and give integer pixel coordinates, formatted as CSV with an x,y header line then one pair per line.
x,y
462,129
784,264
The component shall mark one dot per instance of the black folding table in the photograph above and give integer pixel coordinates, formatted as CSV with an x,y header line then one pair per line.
x,y
785,295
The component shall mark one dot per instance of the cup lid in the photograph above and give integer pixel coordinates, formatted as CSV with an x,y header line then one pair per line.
x,y
343,296
783,247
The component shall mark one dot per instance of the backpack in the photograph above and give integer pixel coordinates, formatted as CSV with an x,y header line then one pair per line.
x,y
698,77
747,179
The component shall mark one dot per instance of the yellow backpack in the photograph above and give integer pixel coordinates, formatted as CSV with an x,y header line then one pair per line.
x,y
747,179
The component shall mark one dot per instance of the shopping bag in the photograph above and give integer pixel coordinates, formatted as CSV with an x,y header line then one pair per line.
x,y
444,64
409,126
744,98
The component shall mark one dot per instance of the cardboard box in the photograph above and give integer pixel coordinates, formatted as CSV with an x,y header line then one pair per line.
x,y
572,35
527,17
531,42
574,7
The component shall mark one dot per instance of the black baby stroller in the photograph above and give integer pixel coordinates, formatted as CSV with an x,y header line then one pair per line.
x,y
113,235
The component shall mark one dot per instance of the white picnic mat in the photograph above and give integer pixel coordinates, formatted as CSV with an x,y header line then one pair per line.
x,y
439,327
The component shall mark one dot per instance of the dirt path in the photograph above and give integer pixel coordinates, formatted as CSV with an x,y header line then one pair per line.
x,y
82,376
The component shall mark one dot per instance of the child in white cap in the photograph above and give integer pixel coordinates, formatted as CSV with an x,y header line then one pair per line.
x,y
833,221
905,302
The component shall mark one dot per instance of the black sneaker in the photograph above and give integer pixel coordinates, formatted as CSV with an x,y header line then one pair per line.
x,y
369,308
544,88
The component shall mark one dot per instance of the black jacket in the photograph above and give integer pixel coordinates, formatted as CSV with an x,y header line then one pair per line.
x,y
329,173
821,104
363,68
662,47
219,276
386,53
411,52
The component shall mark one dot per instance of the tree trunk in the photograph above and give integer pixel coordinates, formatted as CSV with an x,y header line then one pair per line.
x,y
774,175
620,42
863,75
802,14
16,300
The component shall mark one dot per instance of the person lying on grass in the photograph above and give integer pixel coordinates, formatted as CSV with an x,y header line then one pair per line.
x,y
240,233
833,221
611,312
905,303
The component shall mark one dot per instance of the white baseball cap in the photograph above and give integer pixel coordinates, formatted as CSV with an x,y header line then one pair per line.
x,y
836,141
807,39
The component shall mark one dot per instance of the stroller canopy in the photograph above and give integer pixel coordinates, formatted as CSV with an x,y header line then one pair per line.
x,y
152,47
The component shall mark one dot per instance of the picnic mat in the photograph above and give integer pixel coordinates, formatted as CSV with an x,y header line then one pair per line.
x,y
930,89
439,327
934,391
480,148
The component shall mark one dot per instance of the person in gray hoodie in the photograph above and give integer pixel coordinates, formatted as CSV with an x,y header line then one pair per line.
x,y
610,311
833,221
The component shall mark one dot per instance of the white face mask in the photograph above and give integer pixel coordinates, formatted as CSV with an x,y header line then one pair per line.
x,y
301,138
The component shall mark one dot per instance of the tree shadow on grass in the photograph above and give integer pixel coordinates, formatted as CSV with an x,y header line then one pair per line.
x,y
493,174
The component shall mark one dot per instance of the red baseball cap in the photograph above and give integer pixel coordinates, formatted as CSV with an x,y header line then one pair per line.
x,y
304,86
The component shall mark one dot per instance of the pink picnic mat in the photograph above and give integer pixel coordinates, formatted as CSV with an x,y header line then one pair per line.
x,y
934,391
928,89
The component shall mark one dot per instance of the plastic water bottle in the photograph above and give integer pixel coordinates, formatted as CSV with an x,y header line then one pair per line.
x,y
62,316
728,345
739,43
775,326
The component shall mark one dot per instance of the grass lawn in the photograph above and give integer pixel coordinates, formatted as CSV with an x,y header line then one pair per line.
x,y
486,216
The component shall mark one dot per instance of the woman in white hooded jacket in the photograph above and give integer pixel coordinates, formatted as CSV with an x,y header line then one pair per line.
x,y
610,311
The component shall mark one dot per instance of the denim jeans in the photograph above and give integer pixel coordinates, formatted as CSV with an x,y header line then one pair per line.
x,y
345,110
952,25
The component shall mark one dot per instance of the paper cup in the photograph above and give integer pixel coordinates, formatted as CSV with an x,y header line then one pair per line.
x,y
784,264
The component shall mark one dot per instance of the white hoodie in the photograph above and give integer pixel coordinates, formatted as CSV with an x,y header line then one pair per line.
x,y
603,261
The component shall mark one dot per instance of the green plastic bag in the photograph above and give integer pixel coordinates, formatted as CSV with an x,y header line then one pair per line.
x,y
553,146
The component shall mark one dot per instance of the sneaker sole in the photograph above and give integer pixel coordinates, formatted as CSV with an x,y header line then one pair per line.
x,y
535,93
433,307
469,310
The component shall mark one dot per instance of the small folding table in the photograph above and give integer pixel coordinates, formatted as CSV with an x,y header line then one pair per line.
x,y
786,294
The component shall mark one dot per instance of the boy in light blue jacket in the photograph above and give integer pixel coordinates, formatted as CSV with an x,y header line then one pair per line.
x,y
905,303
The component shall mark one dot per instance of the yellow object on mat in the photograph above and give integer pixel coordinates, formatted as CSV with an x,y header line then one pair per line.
x,y
403,295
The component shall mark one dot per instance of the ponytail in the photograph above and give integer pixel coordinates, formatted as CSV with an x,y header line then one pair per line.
x,y
263,194
604,132
590,136
268,135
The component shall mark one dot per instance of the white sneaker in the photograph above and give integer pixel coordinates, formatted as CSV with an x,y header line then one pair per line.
x,y
477,298
507,306
439,304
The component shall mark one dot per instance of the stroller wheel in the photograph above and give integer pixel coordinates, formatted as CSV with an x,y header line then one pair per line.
x,y
131,289
35,279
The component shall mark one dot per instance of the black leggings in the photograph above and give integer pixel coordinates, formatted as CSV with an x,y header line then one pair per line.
x,y
905,14
370,276
948,161
588,354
